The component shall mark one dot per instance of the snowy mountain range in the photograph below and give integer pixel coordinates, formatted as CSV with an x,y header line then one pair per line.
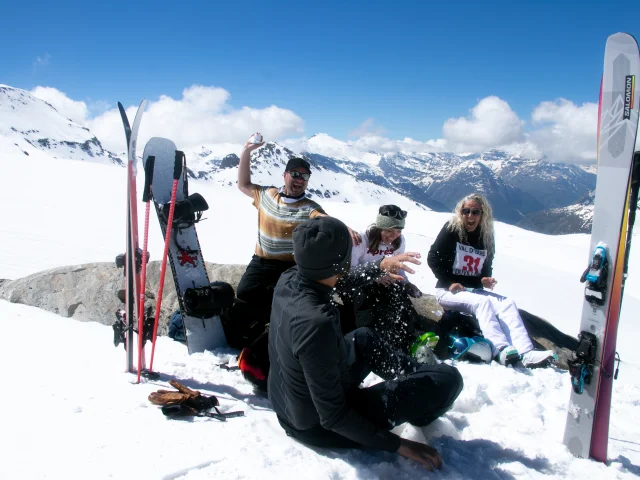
x,y
531,193
534,194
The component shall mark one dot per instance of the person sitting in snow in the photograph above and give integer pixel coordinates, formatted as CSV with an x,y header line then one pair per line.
x,y
461,258
279,211
383,305
315,371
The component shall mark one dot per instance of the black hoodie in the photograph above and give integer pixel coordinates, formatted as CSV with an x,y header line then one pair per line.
x,y
454,261
309,376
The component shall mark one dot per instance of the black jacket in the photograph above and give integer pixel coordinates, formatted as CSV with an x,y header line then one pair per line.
x,y
309,376
442,257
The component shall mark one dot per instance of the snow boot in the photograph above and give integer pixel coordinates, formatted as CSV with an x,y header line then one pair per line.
x,y
507,356
538,358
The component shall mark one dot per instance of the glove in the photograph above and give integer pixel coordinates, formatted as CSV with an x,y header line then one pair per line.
x,y
184,396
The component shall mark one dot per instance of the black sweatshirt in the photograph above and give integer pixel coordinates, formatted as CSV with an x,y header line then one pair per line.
x,y
309,376
453,261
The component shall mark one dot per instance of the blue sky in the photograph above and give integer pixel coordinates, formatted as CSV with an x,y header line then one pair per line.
x,y
408,65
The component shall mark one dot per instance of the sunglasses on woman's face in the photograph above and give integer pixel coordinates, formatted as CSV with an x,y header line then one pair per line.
x,y
304,176
471,211
393,212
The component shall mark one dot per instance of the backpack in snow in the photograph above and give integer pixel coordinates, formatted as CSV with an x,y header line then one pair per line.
x,y
253,361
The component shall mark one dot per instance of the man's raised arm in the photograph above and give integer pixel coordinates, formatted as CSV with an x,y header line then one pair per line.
x,y
244,167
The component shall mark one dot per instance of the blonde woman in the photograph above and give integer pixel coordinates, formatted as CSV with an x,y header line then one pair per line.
x,y
461,259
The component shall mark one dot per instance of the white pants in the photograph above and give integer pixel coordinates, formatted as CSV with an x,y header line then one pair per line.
x,y
498,316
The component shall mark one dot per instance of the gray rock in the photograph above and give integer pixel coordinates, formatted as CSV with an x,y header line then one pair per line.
x,y
89,293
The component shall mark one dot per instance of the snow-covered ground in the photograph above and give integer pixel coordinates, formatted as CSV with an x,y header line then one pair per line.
x,y
70,412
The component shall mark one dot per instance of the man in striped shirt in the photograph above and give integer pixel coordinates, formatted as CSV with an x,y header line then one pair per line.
x,y
280,210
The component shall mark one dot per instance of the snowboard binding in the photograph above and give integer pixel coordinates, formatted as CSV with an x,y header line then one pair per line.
x,y
208,301
582,366
186,213
596,276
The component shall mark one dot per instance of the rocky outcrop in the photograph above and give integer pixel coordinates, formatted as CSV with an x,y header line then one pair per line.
x,y
90,293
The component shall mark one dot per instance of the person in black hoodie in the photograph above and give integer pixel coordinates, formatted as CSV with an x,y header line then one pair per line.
x,y
461,258
315,372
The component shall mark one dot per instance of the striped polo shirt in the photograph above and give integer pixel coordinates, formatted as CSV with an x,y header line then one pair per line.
x,y
276,221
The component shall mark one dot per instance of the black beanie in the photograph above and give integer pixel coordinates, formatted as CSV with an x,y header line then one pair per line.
x,y
321,248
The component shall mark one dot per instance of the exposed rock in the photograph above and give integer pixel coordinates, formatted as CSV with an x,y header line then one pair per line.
x,y
90,293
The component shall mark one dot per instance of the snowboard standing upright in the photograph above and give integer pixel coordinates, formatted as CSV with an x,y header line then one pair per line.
x,y
195,295
586,432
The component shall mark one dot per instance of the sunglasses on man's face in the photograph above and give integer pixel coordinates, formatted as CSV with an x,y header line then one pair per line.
x,y
304,176
471,211
393,212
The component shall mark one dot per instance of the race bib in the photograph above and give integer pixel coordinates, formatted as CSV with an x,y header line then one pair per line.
x,y
469,260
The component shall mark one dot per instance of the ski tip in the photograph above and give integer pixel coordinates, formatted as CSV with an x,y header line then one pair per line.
x,y
623,39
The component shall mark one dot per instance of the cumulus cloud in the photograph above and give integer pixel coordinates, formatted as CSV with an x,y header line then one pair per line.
x,y
560,130
72,109
565,132
201,116
406,145
490,123
366,128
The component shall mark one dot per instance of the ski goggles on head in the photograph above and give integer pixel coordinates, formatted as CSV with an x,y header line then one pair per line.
x,y
296,175
392,211
471,211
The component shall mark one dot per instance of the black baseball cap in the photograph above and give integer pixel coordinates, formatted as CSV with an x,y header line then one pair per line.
x,y
295,162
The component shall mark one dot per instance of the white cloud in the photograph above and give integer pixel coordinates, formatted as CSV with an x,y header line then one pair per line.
x,y
560,130
366,128
72,109
406,145
565,131
491,123
202,116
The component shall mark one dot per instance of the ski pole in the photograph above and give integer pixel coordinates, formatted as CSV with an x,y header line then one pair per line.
x,y
177,171
146,197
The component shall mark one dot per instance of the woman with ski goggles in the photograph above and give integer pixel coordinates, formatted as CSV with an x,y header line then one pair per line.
x,y
461,258
379,305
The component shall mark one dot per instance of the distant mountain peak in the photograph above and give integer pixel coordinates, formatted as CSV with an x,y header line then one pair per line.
x,y
31,123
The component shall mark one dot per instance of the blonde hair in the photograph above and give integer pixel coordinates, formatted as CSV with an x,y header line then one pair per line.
x,y
456,224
